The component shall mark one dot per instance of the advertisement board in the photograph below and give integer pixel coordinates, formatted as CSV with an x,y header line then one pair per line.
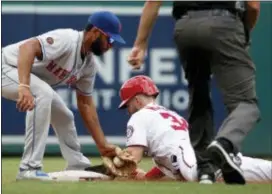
x,y
162,65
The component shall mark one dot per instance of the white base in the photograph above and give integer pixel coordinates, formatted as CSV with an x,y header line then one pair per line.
x,y
77,175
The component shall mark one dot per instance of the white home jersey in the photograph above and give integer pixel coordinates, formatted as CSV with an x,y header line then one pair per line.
x,y
61,62
163,132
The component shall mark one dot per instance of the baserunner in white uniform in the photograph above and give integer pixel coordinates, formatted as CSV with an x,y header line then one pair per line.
x,y
155,129
164,135
30,70
255,170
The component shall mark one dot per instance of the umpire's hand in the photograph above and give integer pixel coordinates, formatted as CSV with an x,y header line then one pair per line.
x,y
136,57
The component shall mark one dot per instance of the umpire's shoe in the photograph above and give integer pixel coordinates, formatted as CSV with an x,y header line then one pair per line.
x,y
227,162
206,179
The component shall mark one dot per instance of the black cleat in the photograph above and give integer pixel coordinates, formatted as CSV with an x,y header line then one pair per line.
x,y
206,179
228,163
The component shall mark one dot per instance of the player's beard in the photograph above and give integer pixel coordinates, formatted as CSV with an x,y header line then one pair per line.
x,y
96,47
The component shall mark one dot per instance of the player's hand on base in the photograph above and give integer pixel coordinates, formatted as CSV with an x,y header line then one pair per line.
x,y
108,150
136,57
25,100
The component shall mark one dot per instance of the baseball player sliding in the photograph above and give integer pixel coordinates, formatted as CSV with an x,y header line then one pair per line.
x,y
30,70
164,135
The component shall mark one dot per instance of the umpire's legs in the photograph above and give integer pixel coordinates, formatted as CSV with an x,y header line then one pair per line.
x,y
234,72
196,63
235,76
238,88
200,106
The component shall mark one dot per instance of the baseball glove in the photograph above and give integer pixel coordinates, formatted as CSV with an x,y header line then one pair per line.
x,y
126,170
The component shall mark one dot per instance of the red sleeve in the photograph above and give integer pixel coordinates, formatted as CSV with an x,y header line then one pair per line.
x,y
154,173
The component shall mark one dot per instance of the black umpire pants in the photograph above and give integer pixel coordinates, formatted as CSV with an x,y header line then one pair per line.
x,y
213,42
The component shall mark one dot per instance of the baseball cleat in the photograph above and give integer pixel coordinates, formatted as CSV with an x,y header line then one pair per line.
x,y
33,175
228,163
206,179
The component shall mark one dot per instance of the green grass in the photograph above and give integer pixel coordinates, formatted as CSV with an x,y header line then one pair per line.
x,y
10,186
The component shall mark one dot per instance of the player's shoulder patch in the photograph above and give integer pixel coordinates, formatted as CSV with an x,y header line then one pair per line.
x,y
49,40
130,131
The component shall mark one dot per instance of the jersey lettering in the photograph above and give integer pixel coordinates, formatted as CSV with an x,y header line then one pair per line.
x,y
72,80
178,123
60,73
51,66
63,74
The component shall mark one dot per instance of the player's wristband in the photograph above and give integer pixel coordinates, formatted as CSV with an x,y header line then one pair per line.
x,y
24,85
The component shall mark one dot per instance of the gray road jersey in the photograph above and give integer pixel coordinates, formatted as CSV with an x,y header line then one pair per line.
x,y
61,63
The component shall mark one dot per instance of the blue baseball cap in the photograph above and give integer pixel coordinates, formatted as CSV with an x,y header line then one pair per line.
x,y
108,23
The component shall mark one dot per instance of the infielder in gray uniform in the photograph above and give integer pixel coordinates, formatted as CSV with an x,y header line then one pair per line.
x,y
30,70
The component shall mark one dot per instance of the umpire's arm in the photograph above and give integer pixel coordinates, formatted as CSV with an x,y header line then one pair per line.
x,y
253,11
148,18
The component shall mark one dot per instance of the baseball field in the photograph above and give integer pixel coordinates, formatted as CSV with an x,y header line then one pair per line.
x,y
10,186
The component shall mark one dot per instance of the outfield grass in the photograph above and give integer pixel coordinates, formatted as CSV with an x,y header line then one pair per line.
x,y
10,186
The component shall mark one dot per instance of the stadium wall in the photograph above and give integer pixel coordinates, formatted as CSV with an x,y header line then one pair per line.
x,y
23,20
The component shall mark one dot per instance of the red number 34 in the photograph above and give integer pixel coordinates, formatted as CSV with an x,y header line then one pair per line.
x,y
178,123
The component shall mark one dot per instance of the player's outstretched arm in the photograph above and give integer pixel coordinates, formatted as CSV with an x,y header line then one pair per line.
x,y
136,151
88,112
